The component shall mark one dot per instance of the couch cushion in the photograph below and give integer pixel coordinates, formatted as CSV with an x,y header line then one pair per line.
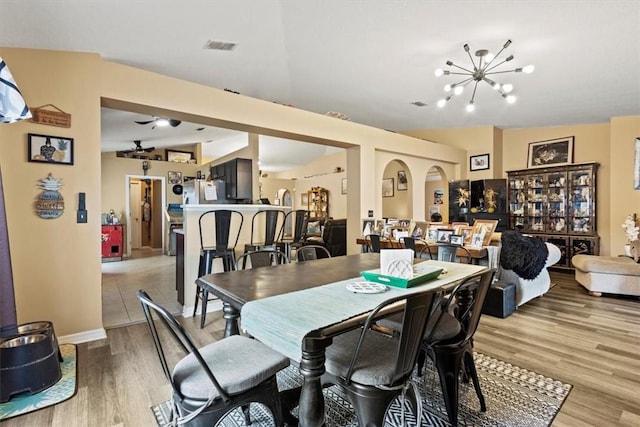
x,y
605,264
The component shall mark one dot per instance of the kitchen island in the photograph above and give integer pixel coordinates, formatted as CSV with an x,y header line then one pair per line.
x,y
190,256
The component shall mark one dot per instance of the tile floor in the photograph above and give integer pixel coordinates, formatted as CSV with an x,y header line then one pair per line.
x,y
147,269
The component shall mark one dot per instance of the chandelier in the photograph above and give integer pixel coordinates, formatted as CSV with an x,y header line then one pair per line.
x,y
481,71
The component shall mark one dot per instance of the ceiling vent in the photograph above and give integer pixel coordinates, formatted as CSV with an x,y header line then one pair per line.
x,y
419,104
215,45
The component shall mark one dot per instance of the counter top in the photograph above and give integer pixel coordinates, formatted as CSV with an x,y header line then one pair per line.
x,y
240,207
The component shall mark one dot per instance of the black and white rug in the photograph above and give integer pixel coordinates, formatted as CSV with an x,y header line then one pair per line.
x,y
514,396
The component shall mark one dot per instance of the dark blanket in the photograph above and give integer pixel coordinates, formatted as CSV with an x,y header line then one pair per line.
x,y
524,255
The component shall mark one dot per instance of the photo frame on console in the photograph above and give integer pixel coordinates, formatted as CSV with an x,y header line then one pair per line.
x,y
486,227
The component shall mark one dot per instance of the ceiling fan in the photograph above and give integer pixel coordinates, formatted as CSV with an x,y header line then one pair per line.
x,y
160,121
139,148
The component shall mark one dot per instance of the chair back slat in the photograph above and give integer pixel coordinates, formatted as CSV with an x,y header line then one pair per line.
x,y
224,224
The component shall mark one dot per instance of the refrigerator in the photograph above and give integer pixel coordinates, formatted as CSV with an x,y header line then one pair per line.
x,y
201,192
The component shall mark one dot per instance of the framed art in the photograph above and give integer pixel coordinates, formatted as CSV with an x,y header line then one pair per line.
x,y
479,162
636,170
456,239
432,233
420,230
477,240
304,199
486,227
50,149
175,177
179,156
343,186
387,187
402,180
466,232
444,235
554,152
368,226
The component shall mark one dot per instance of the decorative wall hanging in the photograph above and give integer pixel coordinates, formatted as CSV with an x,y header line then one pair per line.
x,y
175,177
50,203
387,187
52,118
478,163
402,180
554,152
50,149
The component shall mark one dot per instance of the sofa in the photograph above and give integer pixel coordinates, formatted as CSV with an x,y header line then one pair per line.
x,y
611,275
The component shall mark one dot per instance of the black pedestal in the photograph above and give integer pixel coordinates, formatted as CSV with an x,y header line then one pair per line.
x,y
501,300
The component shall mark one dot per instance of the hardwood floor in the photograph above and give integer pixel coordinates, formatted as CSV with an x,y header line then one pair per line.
x,y
591,343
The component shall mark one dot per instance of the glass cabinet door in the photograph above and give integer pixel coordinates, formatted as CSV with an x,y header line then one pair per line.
x,y
581,206
536,201
517,198
556,202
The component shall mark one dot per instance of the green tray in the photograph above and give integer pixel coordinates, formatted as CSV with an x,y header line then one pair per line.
x,y
399,282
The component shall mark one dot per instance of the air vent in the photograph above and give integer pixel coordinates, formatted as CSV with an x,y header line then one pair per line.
x,y
215,45
419,104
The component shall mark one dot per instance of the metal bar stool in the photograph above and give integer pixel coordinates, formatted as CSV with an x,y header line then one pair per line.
x,y
265,226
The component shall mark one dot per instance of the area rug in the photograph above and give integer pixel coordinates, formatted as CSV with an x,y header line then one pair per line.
x,y
64,389
515,397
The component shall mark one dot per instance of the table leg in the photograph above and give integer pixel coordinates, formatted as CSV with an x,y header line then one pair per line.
x,y
311,409
231,315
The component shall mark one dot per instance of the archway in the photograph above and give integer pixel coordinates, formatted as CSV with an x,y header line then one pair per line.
x,y
396,186
436,196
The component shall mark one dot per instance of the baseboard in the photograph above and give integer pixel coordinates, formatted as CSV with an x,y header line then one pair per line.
x,y
211,306
86,336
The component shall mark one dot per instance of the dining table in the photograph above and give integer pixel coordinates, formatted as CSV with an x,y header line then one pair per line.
x,y
297,308
476,253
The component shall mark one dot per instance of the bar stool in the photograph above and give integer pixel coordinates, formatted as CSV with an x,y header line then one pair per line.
x,y
265,226
301,221
219,235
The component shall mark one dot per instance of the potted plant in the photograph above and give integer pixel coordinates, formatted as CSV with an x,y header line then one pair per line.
x,y
631,231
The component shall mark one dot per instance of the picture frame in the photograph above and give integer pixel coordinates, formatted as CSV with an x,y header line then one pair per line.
x,y
343,186
371,223
420,230
174,177
304,199
387,187
466,231
477,240
432,233
444,235
179,156
456,239
552,152
402,181
49,149
479,162
486,227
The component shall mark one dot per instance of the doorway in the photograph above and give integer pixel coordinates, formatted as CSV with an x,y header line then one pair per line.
x,y
145,206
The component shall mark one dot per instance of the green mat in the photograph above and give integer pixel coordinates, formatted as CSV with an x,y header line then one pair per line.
x,y
59,392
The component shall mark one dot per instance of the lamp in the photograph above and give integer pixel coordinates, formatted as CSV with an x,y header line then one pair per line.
x,y
12,109
484,68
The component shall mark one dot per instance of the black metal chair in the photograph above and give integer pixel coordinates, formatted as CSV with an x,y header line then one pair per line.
x,y
453,253
287,242
375,368
265,227
261,258
213,380
408,243
311,252
373,243
449,338
219,235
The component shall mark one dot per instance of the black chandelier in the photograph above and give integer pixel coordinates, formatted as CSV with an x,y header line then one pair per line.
x,y
484,68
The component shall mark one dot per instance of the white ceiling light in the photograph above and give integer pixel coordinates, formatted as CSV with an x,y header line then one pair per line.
x,y
480,73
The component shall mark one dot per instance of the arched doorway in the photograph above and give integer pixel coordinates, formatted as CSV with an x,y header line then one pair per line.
x,y
436,197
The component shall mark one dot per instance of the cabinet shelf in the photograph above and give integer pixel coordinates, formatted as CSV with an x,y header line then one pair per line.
x,y
544,196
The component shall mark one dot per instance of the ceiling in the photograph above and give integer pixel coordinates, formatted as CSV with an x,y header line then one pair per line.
x,y
367,60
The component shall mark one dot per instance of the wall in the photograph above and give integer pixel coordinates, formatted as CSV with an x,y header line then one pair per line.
x,y
399,205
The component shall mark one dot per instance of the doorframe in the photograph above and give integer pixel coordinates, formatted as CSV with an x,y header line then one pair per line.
x,y
127,196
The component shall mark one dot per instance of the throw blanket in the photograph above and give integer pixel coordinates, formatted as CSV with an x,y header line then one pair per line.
x,y
526,256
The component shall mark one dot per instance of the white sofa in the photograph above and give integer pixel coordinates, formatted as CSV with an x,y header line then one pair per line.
x,y
529,289
603,274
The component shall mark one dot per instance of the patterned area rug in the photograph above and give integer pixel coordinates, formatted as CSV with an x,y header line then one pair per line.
x,y
514,396
64,389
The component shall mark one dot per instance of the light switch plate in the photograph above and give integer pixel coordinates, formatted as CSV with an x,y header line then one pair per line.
x,y
82,217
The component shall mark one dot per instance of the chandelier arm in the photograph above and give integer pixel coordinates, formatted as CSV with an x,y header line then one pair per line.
x,y
515,70
495,66
473,96
460,74
462,68
472,61
494,58
463,82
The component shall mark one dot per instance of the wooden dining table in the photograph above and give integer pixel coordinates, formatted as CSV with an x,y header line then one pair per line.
x,y
298,308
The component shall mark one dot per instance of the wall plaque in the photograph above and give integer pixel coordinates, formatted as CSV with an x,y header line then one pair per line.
x,y
51,118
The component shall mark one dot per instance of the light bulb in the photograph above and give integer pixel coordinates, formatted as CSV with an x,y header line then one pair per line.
x,y
162,122
511,99
508,87
458,90
470,107
441,103
489,57
528,69
496,85
447,88
439,72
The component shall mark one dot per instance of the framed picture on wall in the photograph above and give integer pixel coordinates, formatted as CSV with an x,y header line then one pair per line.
x,y
50,149
553,152
343,186
479,162
387,187
175,177
402,180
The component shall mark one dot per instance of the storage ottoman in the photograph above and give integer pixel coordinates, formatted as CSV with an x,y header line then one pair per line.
x,y
501,300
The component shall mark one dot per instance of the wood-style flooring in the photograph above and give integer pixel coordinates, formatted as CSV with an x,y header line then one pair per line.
x,y
591,343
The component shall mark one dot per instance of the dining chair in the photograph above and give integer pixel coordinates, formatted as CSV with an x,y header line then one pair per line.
x,y
261,258
453,253
373,243
209,382
311,252
265,227
300,219
449,339
374,368
219,235
408,243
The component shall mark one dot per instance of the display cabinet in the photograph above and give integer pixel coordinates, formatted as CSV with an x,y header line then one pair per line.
x,y
558,205
479,199
318,203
